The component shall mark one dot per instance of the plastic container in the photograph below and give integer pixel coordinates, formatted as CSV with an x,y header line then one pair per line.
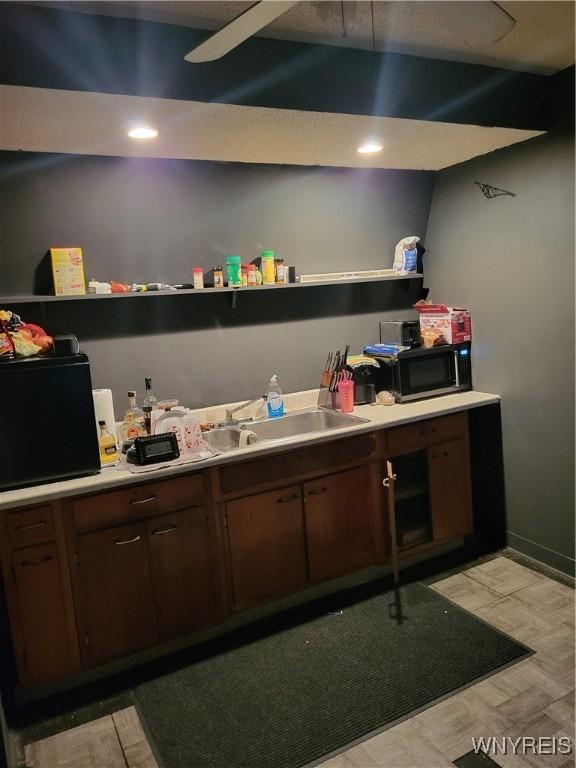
x,y
198,277
267,267
275,399
251,274
279,271
346,392
234,270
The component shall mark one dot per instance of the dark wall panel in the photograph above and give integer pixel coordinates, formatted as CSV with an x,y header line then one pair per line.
x,y
511,260
155,219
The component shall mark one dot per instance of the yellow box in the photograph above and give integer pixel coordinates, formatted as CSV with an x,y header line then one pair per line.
x,y
67,271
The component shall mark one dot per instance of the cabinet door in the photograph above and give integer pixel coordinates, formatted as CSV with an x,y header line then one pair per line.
x,y
339,532
116,600
181,561
450,494
267,545
45,641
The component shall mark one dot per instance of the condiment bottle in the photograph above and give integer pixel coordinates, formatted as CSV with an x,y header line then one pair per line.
x,y
218,277
198,277
244,275
267,267
251,276
107,446
279,271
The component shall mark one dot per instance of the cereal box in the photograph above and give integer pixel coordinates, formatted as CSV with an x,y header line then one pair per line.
x,y
67,271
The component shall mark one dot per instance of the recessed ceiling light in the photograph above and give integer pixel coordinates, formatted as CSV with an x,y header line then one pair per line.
x,y
143,132
370,148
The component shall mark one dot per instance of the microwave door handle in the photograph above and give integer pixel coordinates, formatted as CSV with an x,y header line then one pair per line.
x,y
456,371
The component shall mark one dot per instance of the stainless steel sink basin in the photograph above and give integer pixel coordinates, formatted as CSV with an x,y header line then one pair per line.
x,y
224,439
296,423
302,422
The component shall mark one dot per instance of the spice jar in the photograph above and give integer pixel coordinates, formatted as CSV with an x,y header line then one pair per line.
x,y
244,274
251,274
279,271
218,277
198,277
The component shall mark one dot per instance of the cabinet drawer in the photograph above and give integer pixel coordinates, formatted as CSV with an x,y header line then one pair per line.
x,y
136,502
414,437
30,526
265,471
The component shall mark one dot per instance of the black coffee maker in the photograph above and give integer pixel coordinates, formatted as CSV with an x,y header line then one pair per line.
x,y
365,378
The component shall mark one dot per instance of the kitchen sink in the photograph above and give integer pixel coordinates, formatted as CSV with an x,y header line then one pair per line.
x,y
223,438
296,423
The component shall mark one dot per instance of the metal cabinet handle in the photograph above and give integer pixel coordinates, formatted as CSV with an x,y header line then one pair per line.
x,y
317,491
287,499
29,527
39,561
143,501
127,541
387,482
162,531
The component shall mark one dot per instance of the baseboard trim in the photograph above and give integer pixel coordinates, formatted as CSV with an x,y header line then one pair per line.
x,y
549,557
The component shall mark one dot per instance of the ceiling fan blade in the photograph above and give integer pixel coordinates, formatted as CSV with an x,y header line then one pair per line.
x,y
477,22
241,28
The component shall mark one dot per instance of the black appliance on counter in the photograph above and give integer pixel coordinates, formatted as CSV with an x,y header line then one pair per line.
x,y
416,374
404,333
366,383
47,422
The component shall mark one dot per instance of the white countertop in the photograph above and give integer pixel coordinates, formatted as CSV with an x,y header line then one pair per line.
x,y
378,416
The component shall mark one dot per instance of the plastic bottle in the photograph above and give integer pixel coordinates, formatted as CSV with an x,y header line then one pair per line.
x,y
275,399
267,267
233,270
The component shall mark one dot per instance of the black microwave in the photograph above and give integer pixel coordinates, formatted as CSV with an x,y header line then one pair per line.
x,y
415,374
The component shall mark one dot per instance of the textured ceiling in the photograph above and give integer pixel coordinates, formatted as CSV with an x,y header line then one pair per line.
x,y
542,40
46,120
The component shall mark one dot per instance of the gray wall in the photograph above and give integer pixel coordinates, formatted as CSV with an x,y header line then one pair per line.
x,y
511,260
149,220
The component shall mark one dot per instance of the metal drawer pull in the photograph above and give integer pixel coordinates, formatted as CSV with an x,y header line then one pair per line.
x,y
286,499
39,561
162,531
143,501
29,527
127,541
317,491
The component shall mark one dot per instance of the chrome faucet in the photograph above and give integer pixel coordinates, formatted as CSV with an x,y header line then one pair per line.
x,y
231,421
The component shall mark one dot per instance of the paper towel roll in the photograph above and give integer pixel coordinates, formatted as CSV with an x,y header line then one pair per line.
x,y
104,409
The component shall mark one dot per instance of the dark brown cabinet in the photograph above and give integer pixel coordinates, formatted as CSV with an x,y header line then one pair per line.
x,y
116,600
338,513
99,577
267,545
431,498
46,648
450,494
182,568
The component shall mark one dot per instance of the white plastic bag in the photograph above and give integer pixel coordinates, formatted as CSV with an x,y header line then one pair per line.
x,y
406,255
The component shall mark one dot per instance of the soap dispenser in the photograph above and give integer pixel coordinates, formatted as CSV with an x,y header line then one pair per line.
x,y
275,400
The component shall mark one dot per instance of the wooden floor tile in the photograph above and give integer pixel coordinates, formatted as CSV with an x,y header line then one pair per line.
x,y
133,739
93,745
514,619
548,600
405,747
466,592
563,711
504,576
